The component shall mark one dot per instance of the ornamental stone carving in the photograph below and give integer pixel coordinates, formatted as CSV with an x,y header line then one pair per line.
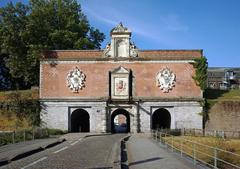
x,y
166,80
75,80
120,29
120,45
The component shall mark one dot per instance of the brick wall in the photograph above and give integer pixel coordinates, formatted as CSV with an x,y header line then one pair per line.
x,y
53,80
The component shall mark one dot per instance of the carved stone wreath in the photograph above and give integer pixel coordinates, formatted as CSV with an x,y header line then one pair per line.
x,y
75,80
166,80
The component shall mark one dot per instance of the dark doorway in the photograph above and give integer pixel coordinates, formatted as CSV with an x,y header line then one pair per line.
x,y
161,119
80,121
120,121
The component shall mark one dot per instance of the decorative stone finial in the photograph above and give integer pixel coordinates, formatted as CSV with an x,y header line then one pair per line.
x,y
120,29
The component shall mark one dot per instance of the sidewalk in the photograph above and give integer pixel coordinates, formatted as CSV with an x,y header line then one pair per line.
x,y
146,153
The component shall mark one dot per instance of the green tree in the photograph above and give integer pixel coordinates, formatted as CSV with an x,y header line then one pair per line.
x,y
26,30
201,65
13,47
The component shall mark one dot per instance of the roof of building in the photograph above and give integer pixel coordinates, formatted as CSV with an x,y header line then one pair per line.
x,y
223,69
122,48
142,54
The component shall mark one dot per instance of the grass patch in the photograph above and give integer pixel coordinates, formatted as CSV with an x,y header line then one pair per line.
x,y
56,132
24,94
9,122
214,96
222,95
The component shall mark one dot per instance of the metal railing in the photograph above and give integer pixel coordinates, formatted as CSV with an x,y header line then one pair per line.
x,y
212,157
15,136
213,133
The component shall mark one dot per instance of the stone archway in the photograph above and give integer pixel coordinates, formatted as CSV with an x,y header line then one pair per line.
x,y
120,121
161,119
80,121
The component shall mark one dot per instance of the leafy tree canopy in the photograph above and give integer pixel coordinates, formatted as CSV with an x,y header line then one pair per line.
x,y
26,30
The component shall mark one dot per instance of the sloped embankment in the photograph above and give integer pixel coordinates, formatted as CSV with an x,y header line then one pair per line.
x,y
224,113
9,101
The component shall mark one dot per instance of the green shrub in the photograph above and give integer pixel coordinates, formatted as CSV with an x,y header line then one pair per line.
x,y
56,132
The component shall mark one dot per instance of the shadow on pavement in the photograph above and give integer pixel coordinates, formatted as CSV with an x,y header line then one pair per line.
x,y
102,168
145,161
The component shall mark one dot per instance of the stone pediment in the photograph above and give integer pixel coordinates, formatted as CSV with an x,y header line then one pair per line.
x,y
120,29
120,45
120,70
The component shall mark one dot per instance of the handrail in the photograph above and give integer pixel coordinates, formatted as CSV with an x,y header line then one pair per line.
x,y
208,155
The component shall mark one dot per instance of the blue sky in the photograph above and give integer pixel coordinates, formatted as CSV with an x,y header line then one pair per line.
x,y
211,25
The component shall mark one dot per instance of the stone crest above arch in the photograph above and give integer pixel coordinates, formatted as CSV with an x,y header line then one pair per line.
x,y
120,84
165,79
76,80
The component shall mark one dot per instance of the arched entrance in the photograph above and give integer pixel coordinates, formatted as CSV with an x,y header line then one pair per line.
x,y
120,121
161,119
80,121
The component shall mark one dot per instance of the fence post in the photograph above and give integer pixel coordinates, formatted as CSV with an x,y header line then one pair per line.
x,y
181,147
33,133
13,136
215,157
194,153
160,137
24,135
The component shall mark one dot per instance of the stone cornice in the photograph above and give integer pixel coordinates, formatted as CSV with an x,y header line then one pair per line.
x,y
135,99
129,61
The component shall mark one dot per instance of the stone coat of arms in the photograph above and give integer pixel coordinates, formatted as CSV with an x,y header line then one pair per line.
x,y
75,80
166,80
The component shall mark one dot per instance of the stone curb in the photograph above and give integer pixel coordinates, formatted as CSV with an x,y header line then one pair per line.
x,y
25,153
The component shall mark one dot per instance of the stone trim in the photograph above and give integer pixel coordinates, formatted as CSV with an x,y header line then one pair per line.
x,y
56,61
106,99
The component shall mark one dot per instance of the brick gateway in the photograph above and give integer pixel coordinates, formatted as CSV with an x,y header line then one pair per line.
x,y
83,90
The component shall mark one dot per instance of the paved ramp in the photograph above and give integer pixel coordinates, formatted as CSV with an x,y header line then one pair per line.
x,y
146,153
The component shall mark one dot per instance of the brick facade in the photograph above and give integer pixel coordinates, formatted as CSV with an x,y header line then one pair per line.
x,y
176,94
53,82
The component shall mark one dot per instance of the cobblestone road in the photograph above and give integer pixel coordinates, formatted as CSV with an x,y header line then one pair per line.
x,y
91,152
